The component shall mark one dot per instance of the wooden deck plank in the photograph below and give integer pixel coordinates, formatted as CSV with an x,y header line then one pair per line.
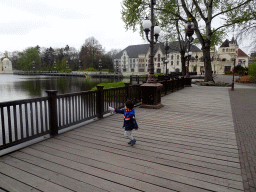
x,y
10,184
154,155
172,182
157,144
73,162
55,177
138,165
139,159
30,179
162,152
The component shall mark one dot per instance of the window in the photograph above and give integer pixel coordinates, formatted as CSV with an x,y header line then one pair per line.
x,y
143,65
132,70
155,59
172,57
130,65
133,65
133,60
223,50
158,65
171,62
158,57
130,60
139,65
177,62
178,57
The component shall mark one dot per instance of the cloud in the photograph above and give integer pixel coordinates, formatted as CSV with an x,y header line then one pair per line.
x,y
21,27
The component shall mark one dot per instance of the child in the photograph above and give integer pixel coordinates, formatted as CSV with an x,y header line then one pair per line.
x,y
129,121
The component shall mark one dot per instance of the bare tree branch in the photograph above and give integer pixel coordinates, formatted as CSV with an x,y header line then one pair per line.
x,y
228,10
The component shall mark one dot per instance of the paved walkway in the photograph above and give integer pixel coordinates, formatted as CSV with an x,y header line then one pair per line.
x,y
188,145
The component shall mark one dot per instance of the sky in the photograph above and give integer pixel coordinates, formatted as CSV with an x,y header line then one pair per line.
x,y
57,23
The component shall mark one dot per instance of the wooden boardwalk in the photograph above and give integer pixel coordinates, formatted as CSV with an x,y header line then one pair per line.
x,y
188,145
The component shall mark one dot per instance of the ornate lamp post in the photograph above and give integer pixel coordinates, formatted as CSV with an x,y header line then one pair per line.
x,y
189,32
117,68
54,66
80,64
233,80
67,64
34,66
100,66
166,47
188,56
151,90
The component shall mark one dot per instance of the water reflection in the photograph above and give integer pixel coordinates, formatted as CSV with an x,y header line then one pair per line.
x,y
17,87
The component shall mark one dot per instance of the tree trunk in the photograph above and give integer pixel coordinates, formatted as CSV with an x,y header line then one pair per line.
x,y
207,64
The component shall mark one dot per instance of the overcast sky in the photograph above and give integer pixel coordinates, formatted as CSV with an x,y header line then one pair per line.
x,y
57,23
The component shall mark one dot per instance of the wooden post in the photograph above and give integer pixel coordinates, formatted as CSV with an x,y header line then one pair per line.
x,y
100,101
52,103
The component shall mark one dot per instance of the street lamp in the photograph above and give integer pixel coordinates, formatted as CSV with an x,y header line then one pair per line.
x,y
34,66
233,80
189,32
80,64
100,66
151,90
166,60
154,32
67,65
54,66
188,56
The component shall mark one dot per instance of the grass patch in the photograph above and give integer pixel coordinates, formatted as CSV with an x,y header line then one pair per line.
x,y
110,85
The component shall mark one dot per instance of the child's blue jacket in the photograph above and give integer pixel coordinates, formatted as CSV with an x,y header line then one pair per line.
x,y
129,119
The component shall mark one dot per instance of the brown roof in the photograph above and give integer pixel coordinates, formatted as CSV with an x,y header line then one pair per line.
x,y
241,53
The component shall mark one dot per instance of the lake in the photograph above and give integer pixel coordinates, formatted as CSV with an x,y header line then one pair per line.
x,y
18,87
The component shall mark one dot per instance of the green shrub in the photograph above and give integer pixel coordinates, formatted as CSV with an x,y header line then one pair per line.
x,y
156,74
252,70
228,72
110,85
239,69
90,69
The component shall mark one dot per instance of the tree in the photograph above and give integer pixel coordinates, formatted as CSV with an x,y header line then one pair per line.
x,y
247,29
90,53
48,58
26,59
198,11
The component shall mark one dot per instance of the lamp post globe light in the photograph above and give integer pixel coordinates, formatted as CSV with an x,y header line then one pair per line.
x,y
151,90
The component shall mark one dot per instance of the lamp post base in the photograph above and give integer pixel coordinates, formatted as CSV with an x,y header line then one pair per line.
x,y
151,95
187,81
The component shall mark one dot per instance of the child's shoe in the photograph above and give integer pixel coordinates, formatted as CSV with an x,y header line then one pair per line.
x,y
130,142
133,142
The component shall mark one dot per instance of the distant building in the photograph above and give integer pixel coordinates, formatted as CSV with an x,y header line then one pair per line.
x,y
134,59
6,66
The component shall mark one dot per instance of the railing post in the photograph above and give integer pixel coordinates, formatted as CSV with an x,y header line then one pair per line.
x,y
53,121
127,94
100,101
